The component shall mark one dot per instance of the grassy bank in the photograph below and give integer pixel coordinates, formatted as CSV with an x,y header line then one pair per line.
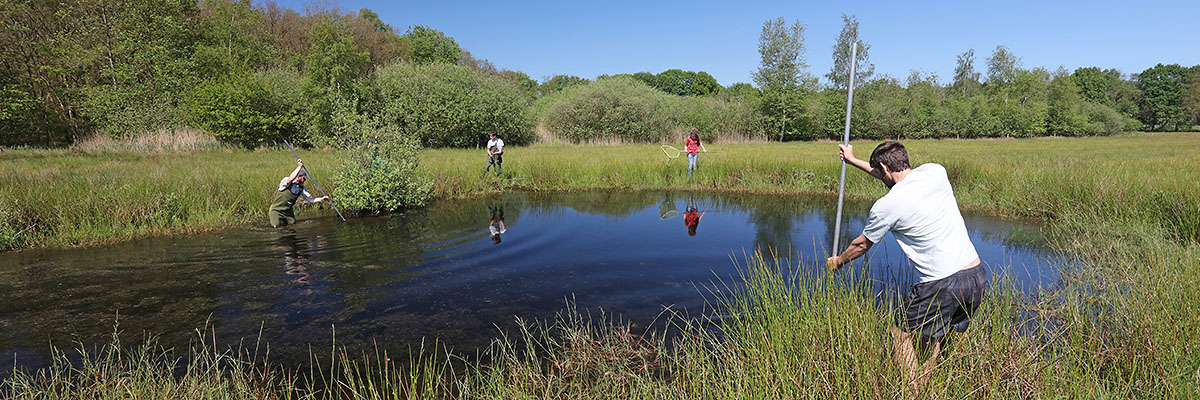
x,y
69,198
1124,324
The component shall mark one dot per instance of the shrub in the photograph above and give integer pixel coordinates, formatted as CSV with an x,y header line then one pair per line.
x,y
714,117
241,110
378,173
1104,120
625,109
615,108
445,105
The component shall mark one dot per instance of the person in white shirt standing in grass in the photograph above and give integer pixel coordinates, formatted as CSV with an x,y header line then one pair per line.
x,y
922,214
495,151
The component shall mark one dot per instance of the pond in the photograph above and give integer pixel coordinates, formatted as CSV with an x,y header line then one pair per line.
x,y
450,271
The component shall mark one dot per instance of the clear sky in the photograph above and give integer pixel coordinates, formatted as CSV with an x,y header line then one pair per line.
x,y
587,39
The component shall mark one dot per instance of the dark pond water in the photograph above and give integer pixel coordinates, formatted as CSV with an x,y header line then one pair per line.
x,y
439,272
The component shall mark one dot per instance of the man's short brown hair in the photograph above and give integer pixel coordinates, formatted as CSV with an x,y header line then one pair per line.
x,y
892,154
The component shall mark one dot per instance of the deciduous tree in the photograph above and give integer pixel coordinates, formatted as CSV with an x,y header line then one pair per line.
x,y
966,79
839,73
781,74
1163,88
432,46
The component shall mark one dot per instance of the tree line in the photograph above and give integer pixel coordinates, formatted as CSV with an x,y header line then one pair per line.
x,y
1007,101
255,74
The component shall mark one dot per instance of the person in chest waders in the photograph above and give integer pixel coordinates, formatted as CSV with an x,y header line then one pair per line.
x,y
495,152
290,189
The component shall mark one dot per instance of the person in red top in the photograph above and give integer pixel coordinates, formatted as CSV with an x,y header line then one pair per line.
x,y
692,144
691,218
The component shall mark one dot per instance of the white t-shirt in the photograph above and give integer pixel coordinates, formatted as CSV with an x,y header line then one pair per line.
x,y
497,143
923,215
495,229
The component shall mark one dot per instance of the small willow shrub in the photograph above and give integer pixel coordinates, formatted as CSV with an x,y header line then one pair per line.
x,y
381,175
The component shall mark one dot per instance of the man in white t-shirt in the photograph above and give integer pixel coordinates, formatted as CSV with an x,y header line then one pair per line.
x,y
922,214
495,150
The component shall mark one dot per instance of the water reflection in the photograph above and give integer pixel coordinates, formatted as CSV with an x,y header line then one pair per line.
x,y
296,255
496,225
432,273
692,216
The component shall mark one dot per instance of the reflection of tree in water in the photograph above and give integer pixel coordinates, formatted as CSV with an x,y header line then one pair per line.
x,y
773,224
850,209
602,202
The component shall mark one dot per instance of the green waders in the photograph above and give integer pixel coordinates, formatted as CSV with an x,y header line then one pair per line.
x,y
494,159
281,212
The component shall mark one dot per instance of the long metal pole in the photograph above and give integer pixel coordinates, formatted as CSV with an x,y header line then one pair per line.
x,y
314,180
837,227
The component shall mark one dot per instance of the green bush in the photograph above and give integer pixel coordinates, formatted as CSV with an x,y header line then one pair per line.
x,y
379,172
1104,120
624,109
242,110
445,105
615,108
713,116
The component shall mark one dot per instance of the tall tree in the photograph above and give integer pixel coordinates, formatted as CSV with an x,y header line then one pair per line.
x,y
1191,98
1003,67
141,54
333,65
334,61
1094,84
378,39
839,73
432,46
685,83
39,92
1163,88
1065,114
781,73
559,82
965,77
781,49
288,31
231,37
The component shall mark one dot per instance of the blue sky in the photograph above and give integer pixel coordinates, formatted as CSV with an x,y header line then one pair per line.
x,y
586,39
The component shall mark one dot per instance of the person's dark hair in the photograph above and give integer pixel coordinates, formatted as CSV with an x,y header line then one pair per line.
x,y
892,154
695,135
493,133
496,239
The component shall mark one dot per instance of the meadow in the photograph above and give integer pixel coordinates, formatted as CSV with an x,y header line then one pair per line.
x,y
1124,323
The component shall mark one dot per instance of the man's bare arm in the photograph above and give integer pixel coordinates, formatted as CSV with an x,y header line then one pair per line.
x,y
857,248
847,154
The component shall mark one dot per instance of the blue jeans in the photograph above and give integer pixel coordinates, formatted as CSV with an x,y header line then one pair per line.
x,y
691,163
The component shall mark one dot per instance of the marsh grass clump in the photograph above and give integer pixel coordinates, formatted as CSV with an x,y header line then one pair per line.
x,y
148,371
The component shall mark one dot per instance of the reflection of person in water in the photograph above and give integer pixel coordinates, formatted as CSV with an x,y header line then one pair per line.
x,y
496,226
295,259
691,218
